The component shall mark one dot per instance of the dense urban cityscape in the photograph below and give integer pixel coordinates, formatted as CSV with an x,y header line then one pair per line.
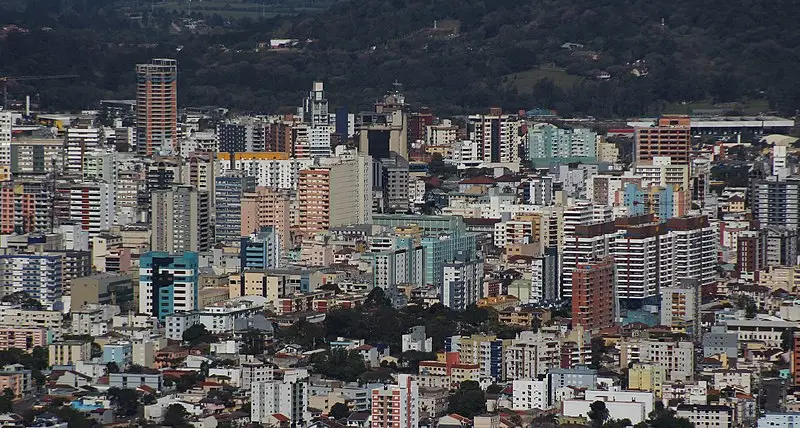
x,y
394,267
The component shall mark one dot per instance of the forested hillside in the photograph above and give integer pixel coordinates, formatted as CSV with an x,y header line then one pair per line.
x,y
578,56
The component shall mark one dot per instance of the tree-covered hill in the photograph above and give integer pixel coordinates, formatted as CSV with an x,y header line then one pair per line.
x,y
516,54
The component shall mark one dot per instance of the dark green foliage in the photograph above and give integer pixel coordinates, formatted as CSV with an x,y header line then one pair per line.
x,y
6,401
339,364
468,401
494,389
339,411
364,45
126,400
617,423
662,417
197,334
787,339
175,416
598,413
36,360
306,334
252,342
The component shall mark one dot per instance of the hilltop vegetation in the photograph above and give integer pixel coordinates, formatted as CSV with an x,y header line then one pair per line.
x,y
486,52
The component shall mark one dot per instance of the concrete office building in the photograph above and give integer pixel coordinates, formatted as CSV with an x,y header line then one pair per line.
x,y
36,156
102,289
385,129
157,106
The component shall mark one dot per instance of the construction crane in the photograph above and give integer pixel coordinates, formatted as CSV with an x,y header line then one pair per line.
x,y
5,79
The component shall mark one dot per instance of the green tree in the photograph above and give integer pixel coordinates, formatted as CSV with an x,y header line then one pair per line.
x,y
598,413
787,339
252,342
197,334
468,401
6,401
339,364
175,416
339,411
126,400
661,417
112,367
494,389
617,423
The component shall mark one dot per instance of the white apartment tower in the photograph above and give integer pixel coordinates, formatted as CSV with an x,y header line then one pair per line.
x,y
288,397
6,120
92,205
315,112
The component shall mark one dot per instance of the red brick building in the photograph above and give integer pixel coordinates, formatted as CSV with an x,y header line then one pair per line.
x,y
593,295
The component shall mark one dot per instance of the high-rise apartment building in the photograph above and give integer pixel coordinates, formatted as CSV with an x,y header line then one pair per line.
x,y
392,176
92,205
180,220
229,190
781,246
583,244
695,254
80,141
776,202
680,306
751,254
315,113
549,143
267,207
6,120
396,406
338,192
497,135
462,282
644,258
38,275
287,397
545,273
593,296
168,283
25,206
157,106
271,169
670,136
